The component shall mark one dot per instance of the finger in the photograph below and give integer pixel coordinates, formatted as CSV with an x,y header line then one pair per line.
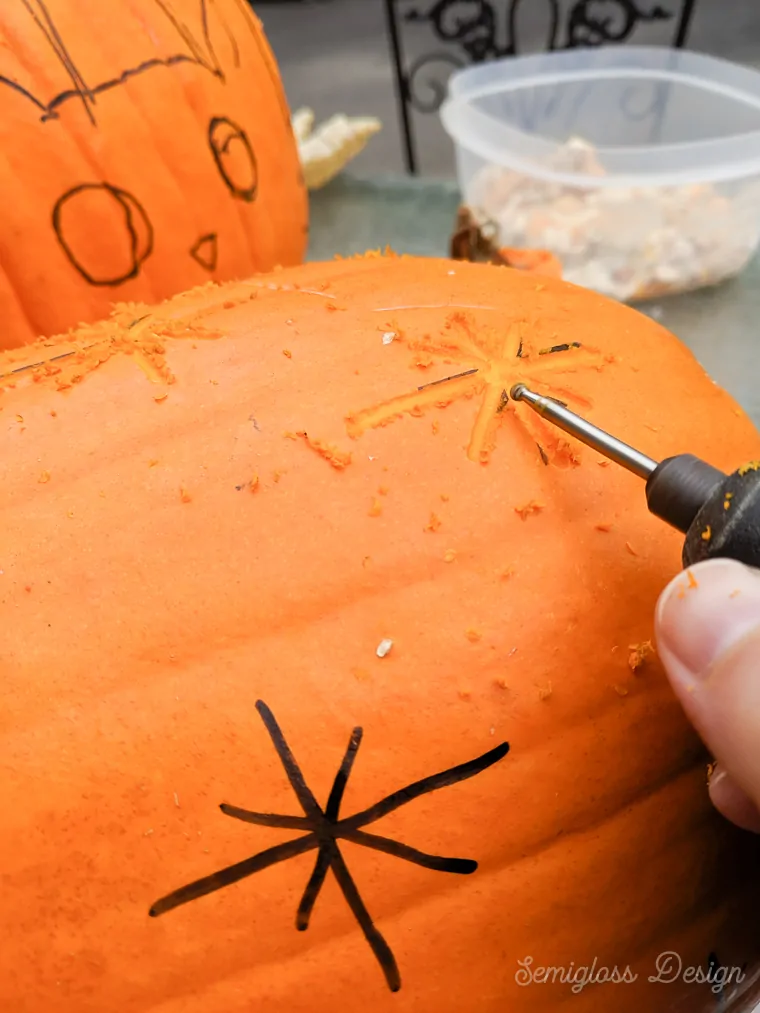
x,y
708,637
732,802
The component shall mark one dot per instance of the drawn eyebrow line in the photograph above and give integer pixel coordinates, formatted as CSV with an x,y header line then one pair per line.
x,y
70,93
86,94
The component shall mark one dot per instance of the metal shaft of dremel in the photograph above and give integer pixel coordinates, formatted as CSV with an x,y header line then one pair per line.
x,y
573,424
676,488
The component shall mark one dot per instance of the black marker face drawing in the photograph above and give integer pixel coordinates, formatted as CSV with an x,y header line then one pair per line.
x,y
127,219
192,38
321,829
204,251
234,157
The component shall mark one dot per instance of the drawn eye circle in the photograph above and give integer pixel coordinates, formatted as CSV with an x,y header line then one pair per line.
x,y
234,157
104,231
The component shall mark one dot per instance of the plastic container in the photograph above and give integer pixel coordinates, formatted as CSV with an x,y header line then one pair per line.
x,y
638,167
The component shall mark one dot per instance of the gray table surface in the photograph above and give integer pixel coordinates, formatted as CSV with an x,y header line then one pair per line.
x,y
416,215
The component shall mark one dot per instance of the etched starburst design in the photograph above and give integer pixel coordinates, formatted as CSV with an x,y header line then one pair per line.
x,y
494,361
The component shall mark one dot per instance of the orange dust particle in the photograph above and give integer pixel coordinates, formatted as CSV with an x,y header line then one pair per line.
x,y
361,675
640,654
707,534
331,307
505,573
501,683
445,497
620,690
254,483
365,561
382,490
532,507
545,692
44,477
603,464
276,476
433,524
152,463
184,495
631,549
464,694
735,594
449,555
53,413
339,459
19,418
693,582
727,500
160,397
289,436
603,527
287,353
376,509
473,635
435,427
69,513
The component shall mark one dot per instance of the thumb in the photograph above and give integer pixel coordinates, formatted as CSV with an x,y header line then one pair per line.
x,y
708,637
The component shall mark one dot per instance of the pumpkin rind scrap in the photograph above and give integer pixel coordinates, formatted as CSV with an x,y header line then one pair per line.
x,y
147,148
267,573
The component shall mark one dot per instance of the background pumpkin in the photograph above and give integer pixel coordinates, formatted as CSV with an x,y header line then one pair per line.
x,y
173,553
147,147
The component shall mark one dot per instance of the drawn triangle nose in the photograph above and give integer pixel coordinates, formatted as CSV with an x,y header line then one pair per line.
x,y
204,251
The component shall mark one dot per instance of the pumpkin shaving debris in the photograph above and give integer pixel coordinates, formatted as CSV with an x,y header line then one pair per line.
x,y
339,459
384,647
434,523
640,654
532,507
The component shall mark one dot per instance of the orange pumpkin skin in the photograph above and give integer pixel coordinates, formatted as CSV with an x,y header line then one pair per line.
x,y
236,497
147,148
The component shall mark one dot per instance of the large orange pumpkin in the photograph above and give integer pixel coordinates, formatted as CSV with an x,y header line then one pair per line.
x,y
280,600
147,147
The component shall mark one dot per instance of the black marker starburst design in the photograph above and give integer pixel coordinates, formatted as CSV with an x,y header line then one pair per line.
x,y
324,829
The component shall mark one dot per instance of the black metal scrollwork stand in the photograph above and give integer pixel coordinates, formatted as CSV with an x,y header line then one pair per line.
x,y
471,29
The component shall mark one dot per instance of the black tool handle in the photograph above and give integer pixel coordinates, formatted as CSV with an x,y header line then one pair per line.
x,y
729,522
718,513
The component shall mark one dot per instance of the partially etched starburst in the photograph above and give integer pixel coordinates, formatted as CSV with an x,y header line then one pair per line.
x,y
494,361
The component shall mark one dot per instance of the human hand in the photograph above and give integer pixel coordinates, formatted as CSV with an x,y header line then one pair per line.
x,y
708,638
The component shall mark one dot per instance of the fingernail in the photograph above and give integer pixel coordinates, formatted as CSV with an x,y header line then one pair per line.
x,y
730,800
702,613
